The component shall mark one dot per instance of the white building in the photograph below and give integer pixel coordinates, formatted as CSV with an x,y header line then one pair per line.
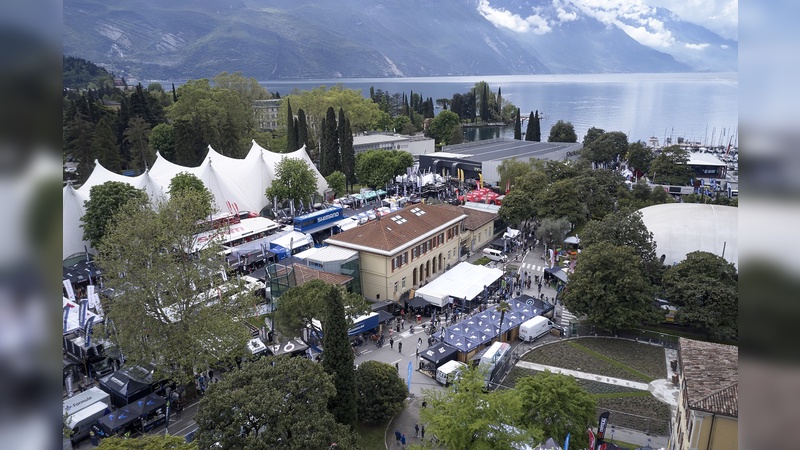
x,y
416,145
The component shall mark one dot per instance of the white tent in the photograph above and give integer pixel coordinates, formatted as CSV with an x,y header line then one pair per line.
x,y
462,281
234,183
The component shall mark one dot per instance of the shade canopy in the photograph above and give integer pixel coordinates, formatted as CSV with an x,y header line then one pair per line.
x,y
118,420
146,405
439,354
464,281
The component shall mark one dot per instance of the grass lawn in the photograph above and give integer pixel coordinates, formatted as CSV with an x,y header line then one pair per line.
x,y
371,436
568,356
645,358
646,413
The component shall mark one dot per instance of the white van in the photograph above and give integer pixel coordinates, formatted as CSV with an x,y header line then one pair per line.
x,y
83,410
449,372
495,255
531,329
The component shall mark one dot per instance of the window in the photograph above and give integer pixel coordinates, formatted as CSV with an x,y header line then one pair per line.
x,y
415,253
441,238
395,287
404,283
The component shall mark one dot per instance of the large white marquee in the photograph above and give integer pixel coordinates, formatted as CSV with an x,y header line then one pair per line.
x,y
239,182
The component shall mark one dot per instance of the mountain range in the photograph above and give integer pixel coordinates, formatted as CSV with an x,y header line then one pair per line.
x,y
304,39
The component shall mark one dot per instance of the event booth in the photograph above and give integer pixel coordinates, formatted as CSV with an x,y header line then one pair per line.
x,y
464,281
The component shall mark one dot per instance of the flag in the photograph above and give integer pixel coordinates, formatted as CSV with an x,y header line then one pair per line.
x,y
591,439
88,331
67,307
410,370
90,295
70,291
601,425
566,442
82,311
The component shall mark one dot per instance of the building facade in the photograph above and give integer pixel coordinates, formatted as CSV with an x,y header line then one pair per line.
x,y
266,112
416,145
707,416
404,249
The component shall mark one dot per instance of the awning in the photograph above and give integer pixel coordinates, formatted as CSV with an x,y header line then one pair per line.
x,y
439,354
384,316
147,405
417,302
118,420
557,272
572,240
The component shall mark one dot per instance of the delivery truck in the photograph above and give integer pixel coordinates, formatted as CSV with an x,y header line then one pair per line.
x,y
449,372
532,329
82,410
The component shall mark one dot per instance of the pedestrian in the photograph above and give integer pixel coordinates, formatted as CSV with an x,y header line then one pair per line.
x,y
397,328
419,341
391,342
430,339
540,287
403,323
403,440
417,352
416,430
400,347
397,366
397,435
422,432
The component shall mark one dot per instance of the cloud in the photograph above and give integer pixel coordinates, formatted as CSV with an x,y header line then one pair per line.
x,y
631,16
719,16
502,18
562,15
696,46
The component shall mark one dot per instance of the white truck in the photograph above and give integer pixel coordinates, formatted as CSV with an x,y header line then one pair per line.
x,y
449,372
82,410
532,329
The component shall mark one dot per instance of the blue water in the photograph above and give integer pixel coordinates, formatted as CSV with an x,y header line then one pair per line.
x,y
695,106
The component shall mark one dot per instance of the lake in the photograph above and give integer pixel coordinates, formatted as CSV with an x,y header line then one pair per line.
x,y
695,106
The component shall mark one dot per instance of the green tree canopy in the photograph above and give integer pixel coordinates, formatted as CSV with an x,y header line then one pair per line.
x,y
553,231
338,358
562,132
639,156
670,167
606,148
136,137
510,170
185,182
275,402
381,393
162,140
623,229
302,303
705,287
597,190
610,287
466,416
375,168
592,134
558,405
104,202
294,180
338,182
442,126
105,147
147,442
561,199
171,309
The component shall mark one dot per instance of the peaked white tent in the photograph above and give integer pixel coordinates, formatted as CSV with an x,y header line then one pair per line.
x,y
240,183
465,280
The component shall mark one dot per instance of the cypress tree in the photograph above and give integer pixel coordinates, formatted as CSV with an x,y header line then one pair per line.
x,y
537,128
530,130
323,139
291,132
338,359
302,128
485,103
330,160
499,103
518,127
348,154
174,94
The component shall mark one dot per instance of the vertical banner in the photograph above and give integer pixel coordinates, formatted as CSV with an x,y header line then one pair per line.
x,y
601,426
592,442
84,304
88,331
70,291
408,382
566,442
69,384
552,258
90,295
67,307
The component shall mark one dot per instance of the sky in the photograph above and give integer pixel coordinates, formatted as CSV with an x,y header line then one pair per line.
x,y
720,16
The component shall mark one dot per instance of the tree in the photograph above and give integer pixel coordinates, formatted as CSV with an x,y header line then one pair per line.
x,y
503,307
104,202
622,229
374,168
348,155
338,359
530,131
338,182
300,304
558,405
560,199
162,140
610,287
329,158
136,137
442,126
552,232
466,416
302,129
184,182
639,156
380,392
511,170
597,190
592,134
247,90
105,147
537,127
606,148
294,180
291,130
518,126
171,309
670,167
147,442
275,402
705,287
562,132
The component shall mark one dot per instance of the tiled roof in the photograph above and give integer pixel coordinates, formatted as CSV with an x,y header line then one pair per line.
x,y
397,230
304,274
475,219
711,373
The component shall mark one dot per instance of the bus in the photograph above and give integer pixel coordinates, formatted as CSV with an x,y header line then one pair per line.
x,y
245,230
318,220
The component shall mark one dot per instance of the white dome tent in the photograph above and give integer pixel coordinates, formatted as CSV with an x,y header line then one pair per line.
x,y
236,181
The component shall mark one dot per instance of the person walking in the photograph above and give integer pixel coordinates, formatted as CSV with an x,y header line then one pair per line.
x,y
397,435
419,341
417,353
422,432
400,347
403,440
416,430
540,287
391,342
397,328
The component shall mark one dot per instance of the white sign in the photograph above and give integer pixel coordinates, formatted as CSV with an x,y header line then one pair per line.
x,y
70,292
